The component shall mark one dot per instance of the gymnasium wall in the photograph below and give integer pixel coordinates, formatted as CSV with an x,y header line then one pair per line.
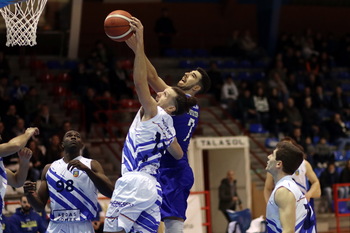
x,y
206,25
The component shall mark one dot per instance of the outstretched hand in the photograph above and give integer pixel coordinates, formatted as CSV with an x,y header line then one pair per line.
x,y
33,131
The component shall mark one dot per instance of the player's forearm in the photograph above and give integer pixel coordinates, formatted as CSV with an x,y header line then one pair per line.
x,y
315,190
102,183
35,202
14,144
21,174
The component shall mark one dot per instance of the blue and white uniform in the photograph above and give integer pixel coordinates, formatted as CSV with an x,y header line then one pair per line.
x,y
3,185
136,200
300,178
175,194
73,198
305,218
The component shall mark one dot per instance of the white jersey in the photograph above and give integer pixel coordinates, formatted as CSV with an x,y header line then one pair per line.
x,y
73,196
146,142
305,218
3,185
300,178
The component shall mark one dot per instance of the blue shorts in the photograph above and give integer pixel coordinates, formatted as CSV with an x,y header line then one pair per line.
x,y
176,184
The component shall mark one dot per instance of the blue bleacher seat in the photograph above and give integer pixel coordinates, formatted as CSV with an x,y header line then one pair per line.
x,y
258,76
339,156
261,64
256,128
318,171
343,75
186,52
315,139
244,76
245,64
201,63
185,64
271,142
170,53
201,53
230,64
54,65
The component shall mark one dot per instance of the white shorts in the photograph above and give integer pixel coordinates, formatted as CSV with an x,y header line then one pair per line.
x,y
135,204
70,227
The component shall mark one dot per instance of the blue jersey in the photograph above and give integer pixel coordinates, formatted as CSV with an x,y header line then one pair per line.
x,y
184,125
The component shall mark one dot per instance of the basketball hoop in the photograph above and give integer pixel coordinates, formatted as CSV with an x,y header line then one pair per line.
x,y
21,20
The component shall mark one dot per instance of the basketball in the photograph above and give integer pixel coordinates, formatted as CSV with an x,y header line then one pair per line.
x,y
117,26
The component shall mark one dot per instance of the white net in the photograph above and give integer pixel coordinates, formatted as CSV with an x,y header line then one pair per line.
x,y
21,20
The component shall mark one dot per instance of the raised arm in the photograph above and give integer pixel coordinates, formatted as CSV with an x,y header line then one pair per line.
x,y
96,174
315,189
17,179
156,83
140,72
17,143
38,199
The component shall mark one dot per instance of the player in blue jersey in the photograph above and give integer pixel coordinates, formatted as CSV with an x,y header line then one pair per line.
x,y
287,209
72,184
7,177
175,194
135,205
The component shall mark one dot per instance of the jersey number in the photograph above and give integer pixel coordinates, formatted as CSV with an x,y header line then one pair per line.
x,y
190,123
68,185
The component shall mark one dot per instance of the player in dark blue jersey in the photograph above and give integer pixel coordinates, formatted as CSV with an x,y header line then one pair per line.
x,y
176,176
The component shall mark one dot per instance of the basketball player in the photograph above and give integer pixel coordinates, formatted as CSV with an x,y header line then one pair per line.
x,y
175,194
24,154
72,184
301,176
287,209
135,205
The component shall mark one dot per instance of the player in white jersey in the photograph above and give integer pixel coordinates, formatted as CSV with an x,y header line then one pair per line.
x,y
302,176
135,205
7,177
72,184
287,209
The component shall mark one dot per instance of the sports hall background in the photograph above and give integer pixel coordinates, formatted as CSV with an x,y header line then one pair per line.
x,y
200,24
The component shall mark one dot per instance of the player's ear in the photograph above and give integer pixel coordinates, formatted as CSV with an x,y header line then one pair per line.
x,y
171,109
196,88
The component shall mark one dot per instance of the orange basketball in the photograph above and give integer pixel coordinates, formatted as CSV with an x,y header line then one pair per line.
x,y
117,26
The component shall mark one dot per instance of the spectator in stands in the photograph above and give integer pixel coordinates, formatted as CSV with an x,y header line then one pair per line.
x,y
233,45
19,128
323,153
37,161
298,137
216,80
293,113
53,150
275,81
4,94
321,102
311,121
292,84
81,79
90,107
310,150
165,30
338,132
46,122
279,121
31,102
25,219
120,81
262,107
274,97
339,103
329,177
246,111
249,46
10,118
229,95
345,178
